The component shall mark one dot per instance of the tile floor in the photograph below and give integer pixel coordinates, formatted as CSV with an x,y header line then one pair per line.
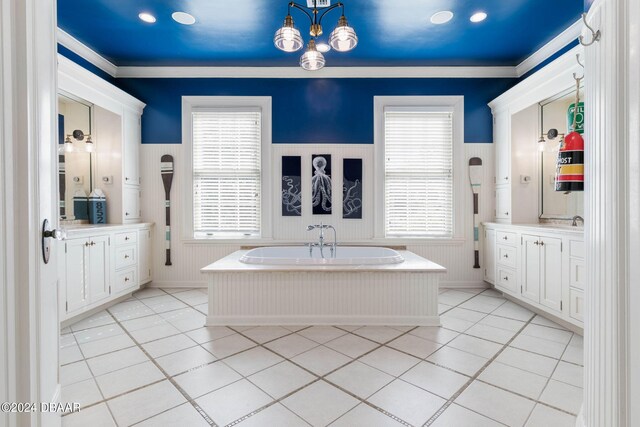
x,y
148,361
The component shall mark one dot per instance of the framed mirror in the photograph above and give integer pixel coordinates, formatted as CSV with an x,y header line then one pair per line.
x,y
556,121
75,154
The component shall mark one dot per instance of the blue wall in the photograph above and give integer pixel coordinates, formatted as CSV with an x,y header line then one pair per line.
x,y
311,110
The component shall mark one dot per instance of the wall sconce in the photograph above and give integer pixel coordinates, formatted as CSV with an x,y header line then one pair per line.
x,y
78,135
550,135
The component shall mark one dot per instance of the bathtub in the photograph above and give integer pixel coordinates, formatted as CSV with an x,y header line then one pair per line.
x,y
288,286
302,255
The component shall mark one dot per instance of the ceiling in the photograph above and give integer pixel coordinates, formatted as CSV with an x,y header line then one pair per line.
x,y
390,32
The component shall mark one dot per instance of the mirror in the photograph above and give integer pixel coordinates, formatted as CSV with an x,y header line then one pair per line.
x,y
555,116
75,148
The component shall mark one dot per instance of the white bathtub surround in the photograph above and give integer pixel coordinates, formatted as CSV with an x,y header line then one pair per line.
x,y
321,375
403,293
304,255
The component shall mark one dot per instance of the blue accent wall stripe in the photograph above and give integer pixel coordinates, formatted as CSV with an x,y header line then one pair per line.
x,y
67,53
311,110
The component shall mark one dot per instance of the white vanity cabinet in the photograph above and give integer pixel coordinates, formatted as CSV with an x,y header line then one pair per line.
x,y
102,263
540,265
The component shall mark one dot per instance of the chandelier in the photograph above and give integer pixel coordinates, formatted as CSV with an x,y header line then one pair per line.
x,y
288,39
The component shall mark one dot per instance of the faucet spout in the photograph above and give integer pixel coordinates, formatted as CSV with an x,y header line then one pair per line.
x,y
574,222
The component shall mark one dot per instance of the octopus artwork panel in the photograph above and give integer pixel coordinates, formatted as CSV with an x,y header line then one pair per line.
x,y
321,184
352,188
291,186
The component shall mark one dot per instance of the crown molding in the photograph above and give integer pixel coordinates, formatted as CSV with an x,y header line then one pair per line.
x,y
84,51
549,49
327,72
538,57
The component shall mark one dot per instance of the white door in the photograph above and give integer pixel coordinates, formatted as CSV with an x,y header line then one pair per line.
x,y
75,262
490,256
29,193
502,136
503,202
44,95
551,272
99,270
531,267
131,204
131,132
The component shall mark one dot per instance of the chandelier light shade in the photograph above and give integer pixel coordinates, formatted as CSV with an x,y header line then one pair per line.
x,y
343,38
288,38
312,60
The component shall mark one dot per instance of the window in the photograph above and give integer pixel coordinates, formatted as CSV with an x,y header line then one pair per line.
x,y
227,182
418,150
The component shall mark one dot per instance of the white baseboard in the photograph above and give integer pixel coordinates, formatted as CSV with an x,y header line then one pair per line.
x,y
323,320
464,285
443,285
172,284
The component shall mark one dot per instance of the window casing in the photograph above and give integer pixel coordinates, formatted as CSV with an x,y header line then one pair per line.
x,y
418,150
226,185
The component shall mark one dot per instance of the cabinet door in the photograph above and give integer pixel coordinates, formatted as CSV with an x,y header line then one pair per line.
x,y
131,204
99,272
76,284
490,255
131,148
530,283
503,202
551,272
502,136
144,256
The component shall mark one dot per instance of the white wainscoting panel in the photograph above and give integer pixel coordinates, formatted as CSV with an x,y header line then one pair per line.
x,y
188,256
312,298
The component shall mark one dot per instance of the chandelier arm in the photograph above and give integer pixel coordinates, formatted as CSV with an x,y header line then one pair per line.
x,y
302,8
329,9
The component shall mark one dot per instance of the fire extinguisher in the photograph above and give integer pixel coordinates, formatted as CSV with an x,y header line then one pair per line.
x,y
570,162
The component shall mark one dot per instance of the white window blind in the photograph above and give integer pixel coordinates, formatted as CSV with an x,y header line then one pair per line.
x,y
226,172
418,172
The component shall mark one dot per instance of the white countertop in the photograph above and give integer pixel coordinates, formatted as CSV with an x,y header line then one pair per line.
x,y
412,264
540,227
73,229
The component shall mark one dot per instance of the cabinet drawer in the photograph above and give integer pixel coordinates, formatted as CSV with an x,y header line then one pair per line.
x,y
506,238
576,304
126,256
126,238
576,273
576,249
507,278
126,279
506,256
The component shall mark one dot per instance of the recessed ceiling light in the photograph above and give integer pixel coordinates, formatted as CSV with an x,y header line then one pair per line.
x,y
441,17
323,47
183,18
478,17
147,17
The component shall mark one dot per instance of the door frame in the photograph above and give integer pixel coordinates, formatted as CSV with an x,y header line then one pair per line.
x,y
27,82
